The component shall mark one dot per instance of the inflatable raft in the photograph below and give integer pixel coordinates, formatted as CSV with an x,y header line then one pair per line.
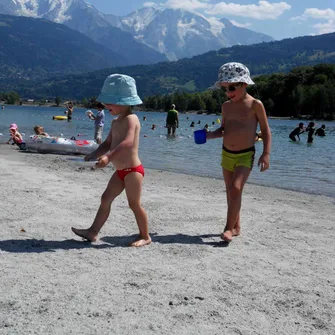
x,y
60,145
59,117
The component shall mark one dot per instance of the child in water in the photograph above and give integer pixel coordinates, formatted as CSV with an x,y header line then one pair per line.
x,y
240,115
120,148
321,131
310,130
296,132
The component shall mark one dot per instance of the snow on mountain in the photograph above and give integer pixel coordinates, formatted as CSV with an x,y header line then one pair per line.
x,y
176,33
85,18
179,33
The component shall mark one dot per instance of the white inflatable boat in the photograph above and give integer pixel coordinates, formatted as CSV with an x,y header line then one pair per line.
x,y
60,145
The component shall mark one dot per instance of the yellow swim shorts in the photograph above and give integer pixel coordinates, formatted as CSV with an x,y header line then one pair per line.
x,y
232,159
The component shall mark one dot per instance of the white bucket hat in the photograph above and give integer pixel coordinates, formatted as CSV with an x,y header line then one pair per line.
x,y
234,73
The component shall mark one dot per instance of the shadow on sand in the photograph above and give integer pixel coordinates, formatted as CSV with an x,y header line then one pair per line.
x,y
38,246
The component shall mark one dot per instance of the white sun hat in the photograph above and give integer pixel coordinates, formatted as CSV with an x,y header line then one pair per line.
x,y
234,73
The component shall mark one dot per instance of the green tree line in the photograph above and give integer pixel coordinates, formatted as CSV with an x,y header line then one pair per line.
x,y
305,91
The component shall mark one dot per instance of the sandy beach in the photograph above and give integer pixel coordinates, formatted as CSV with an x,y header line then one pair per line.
x,y
278,277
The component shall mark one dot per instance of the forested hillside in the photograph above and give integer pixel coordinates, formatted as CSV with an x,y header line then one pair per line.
x,y
190,75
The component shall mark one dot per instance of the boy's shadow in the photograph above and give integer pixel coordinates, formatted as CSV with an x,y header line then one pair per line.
x,y
38,246
168,239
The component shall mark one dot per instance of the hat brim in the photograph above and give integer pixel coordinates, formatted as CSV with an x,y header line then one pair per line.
x,y
245,80
115,100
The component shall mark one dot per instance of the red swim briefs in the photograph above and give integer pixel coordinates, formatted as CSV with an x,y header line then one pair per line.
x,y
122,173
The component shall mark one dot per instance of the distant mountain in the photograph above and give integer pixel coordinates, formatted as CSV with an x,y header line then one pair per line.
x,y
85,18
36,48
180,33
197,73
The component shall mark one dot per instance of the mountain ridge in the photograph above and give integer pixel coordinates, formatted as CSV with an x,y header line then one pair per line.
x,y
197,73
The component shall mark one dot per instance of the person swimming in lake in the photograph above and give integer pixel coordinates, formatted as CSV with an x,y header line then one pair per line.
x,y
192,124
296,132
321,131
310,130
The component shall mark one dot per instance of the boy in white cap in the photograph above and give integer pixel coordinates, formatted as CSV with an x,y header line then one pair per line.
x,y
120,148
240,117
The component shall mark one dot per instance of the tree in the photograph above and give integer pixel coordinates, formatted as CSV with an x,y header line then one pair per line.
x,y
11,98
58,101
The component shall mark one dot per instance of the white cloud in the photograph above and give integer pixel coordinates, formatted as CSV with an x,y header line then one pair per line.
x,y
186,4
263,11
149,4
325,28
241,25
319,14
315,13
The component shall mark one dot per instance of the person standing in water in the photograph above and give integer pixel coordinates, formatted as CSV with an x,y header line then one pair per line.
x,y
69,110
99,122
296,132
310,130
321,131
172,120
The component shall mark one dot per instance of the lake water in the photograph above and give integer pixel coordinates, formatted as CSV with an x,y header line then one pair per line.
x,y
297,166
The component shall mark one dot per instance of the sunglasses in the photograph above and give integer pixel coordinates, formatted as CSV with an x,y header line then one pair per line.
x,y
230,88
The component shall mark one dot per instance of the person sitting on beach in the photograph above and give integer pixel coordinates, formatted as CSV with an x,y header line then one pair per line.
x,y
296,132
310,130
321,131
172,120
99,122
120,148
240,115
39,130
206,127
16,137
69,110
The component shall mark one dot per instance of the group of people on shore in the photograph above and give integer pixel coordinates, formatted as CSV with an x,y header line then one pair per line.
x,y
310,130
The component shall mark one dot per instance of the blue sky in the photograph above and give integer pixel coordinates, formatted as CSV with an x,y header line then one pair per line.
x,y
278,18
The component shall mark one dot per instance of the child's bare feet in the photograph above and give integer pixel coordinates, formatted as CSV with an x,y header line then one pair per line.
x,y
227,236
86,234
140,242
236,231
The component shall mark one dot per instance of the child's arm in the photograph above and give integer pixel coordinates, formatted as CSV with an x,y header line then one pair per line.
x,y
264,160
218,132
103,148
177,119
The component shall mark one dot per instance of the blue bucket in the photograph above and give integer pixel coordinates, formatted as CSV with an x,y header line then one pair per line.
x,y
200,136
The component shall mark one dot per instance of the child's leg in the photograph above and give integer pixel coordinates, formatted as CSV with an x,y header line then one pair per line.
x,y
228,179
133,185
240,177
114,188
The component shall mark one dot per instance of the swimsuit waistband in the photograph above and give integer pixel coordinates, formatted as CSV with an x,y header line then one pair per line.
x,y
239,151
